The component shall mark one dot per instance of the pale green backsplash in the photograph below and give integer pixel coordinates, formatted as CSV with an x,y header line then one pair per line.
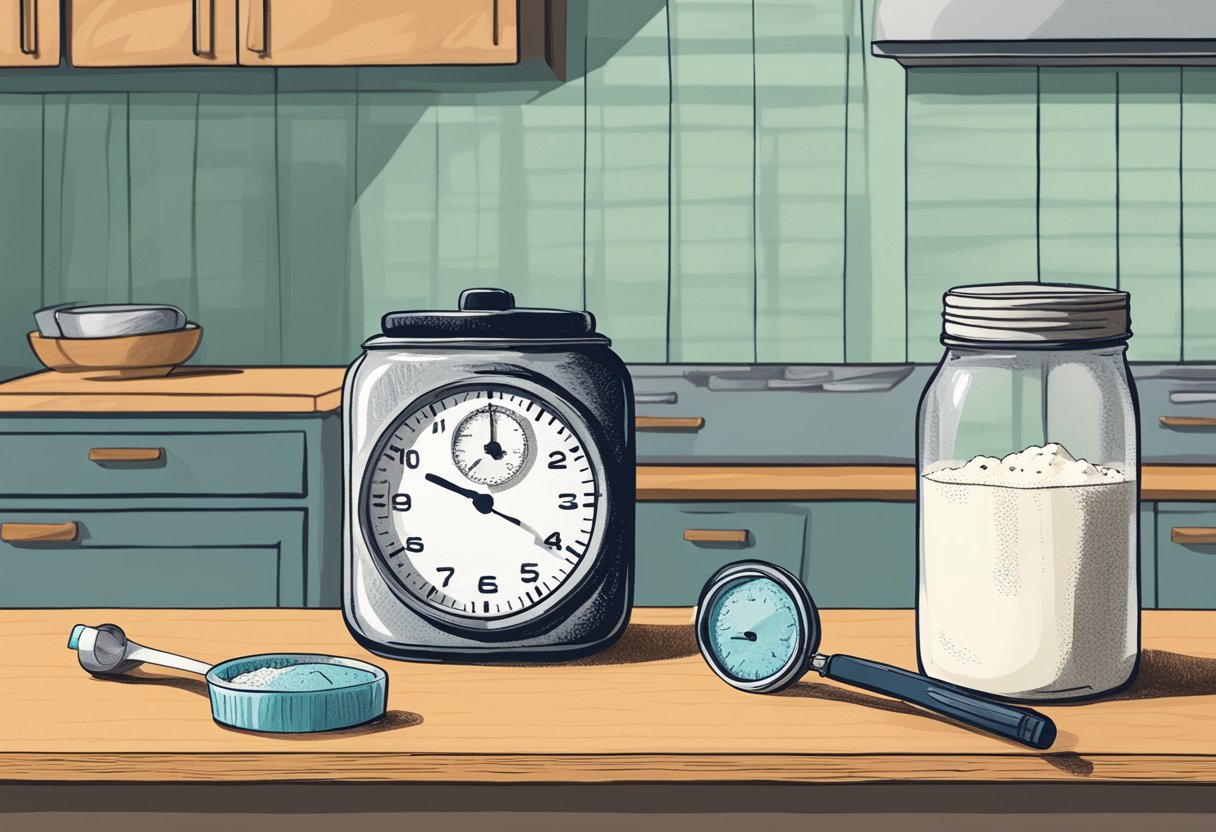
x,y
719,180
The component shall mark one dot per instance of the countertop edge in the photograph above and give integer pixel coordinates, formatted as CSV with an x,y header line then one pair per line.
x,y
364,767
893,483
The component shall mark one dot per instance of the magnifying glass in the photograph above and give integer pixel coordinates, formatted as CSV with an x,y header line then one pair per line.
x,y
758,629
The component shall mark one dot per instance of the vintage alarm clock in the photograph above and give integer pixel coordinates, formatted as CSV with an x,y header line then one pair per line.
x,y
489,491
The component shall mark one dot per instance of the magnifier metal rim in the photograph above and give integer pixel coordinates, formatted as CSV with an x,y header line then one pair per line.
x,y
808,619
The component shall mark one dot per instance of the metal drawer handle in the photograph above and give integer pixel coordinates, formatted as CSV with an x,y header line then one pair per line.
x,y
204,39
739,537
690,423
126,454
496,22
38,532
655,398
1188,421
1192,536
29,27
255,38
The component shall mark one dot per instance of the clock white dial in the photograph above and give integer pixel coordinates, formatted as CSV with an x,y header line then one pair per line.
x,y
484,503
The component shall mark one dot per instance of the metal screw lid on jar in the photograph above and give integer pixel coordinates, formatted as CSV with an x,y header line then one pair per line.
x,y
1035,315
489,313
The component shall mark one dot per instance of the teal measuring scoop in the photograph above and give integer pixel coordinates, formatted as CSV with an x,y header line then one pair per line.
x,y
285,693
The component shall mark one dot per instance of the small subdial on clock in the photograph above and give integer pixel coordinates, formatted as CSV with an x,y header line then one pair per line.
x,y
490,445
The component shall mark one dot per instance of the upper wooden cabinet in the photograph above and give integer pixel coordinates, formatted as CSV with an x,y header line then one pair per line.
x,y
377,32
152,32
29,32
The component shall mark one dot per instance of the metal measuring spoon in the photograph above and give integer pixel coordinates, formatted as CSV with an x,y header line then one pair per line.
x,y
354,691
105,650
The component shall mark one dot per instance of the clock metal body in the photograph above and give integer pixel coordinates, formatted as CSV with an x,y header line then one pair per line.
x,y
489,495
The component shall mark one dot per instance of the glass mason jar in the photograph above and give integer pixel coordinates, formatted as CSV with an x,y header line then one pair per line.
x,y
1028,493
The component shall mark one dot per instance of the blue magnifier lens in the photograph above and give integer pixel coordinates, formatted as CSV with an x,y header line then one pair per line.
x,y
756,628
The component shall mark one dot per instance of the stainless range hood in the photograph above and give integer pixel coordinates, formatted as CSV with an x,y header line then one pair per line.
x,y
1045,32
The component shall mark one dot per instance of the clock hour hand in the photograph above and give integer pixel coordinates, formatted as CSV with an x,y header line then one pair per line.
x,y
492,447
482,502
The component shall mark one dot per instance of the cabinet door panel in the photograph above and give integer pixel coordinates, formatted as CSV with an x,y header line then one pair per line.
x,y
179,558
29,32
377,32
153,32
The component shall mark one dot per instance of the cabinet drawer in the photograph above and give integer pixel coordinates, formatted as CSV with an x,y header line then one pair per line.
x,y
862,554
152,464
680,545
152,559
1186,561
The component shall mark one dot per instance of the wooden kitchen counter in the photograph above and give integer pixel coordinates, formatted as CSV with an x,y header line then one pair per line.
x,y
648,710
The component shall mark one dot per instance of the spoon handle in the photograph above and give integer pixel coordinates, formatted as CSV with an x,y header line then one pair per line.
x,y
139,653
1022,725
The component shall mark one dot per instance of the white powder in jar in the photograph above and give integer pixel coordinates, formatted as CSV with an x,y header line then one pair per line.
x,y
1027,585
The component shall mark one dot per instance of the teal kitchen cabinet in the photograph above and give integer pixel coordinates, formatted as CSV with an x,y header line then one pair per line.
x,y
215,488
680,545
179,558
850,554
1148,556
862,554
1186,556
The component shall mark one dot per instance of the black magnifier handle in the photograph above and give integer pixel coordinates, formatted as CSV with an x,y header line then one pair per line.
x,y
1021,725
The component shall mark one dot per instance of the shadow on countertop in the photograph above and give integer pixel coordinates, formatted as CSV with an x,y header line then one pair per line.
x,y
1163,674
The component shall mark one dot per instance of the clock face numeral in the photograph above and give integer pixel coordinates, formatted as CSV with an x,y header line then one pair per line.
x,y
487,520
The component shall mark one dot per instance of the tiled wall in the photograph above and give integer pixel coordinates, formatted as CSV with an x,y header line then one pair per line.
x,y
719,180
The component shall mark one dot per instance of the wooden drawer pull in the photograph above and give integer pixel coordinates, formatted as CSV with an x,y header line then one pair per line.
x,y
126,454
1192,536
29,27
38,532
1188,421
737,536
669,422
204,39
255,36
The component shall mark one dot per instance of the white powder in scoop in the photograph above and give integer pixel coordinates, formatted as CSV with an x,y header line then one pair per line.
x,y
259,678
1027,582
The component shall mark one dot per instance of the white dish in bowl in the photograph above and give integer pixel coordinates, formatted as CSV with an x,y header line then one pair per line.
x,y
117,320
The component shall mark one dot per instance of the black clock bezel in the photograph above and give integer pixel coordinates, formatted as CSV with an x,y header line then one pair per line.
x,y
569,594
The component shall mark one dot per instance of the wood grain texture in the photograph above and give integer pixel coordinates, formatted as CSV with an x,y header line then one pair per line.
x,y
1192,536
190,390
377,32
646,710
152,32
126,454
862,482
1188,421
738,536
688,423
38,532
45,40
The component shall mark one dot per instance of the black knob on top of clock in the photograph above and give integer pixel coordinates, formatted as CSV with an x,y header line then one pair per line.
x,y
489,313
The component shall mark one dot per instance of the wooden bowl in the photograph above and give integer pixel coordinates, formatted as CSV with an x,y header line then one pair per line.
x,y
129,356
